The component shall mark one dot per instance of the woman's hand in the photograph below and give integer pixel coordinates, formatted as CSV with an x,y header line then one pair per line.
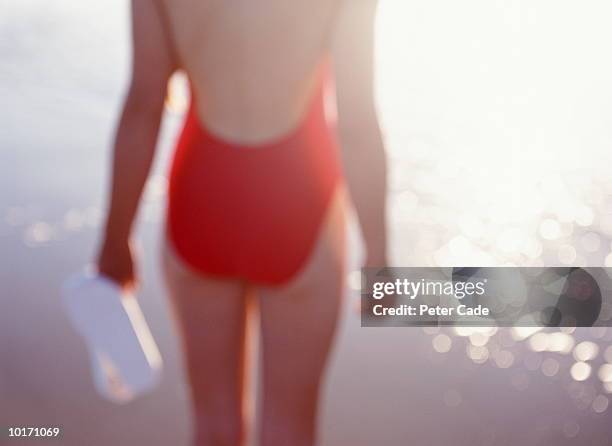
x,y
376,254
376,261
116,261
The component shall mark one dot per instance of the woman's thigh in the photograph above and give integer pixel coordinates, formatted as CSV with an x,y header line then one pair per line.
x,y
298,322
211,317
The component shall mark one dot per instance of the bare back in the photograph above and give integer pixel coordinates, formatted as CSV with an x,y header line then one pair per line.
x,y
252,64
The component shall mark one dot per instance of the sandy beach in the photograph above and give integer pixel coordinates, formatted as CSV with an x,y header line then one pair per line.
x,y
489,167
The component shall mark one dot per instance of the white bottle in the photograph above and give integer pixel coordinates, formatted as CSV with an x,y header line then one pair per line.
x,y
124,358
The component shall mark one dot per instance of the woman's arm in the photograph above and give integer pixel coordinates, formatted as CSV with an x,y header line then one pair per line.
x,y
362,145
136,138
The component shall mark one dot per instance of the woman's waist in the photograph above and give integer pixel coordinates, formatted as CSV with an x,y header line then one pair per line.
x,y
248,129
305,161
300,160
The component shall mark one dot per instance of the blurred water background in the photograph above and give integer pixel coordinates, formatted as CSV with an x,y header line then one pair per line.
x,y
497,116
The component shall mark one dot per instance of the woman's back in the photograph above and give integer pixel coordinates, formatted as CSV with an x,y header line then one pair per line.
x,y
252,64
